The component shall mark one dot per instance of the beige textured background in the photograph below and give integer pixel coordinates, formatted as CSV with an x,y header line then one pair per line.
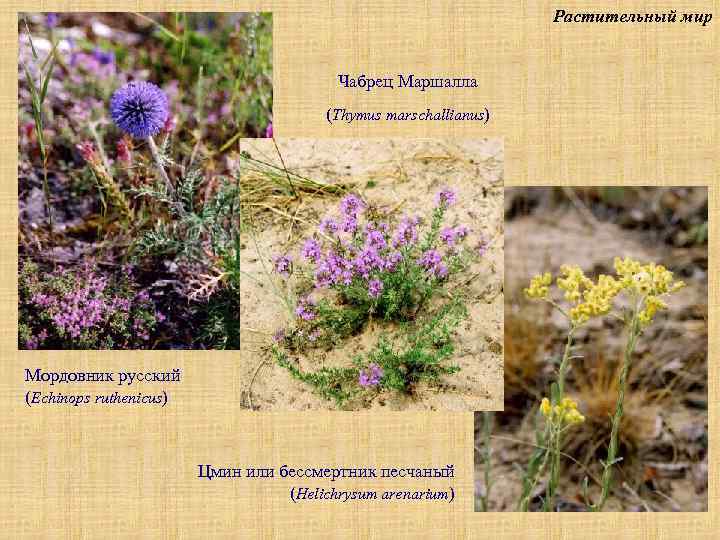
x,y
576,104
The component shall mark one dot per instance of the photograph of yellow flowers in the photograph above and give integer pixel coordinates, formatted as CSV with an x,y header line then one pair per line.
x,y
128,199
606,341
371,274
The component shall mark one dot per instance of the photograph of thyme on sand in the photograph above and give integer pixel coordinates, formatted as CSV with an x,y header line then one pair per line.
x,y
371,274
605,354
128,199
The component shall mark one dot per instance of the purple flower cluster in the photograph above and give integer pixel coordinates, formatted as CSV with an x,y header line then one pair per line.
x,y
329,226
445,198
282,264
33,342
98,63
406,233
52,19
375,288
450,235
334,269
311,251
370,376
351,206
364,268
347,255
82,305
306,309
140,109
279,335
433,263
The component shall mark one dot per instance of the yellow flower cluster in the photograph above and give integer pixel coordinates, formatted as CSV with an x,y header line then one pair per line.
x,y
593,299
573,282
649,281
652,305
539,286
565,412
598,299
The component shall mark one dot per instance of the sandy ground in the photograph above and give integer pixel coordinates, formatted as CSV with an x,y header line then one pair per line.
x,y
675,432
406,174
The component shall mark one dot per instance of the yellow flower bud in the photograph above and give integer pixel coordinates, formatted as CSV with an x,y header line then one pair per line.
x,y
545,407
574,417
539,286
568,403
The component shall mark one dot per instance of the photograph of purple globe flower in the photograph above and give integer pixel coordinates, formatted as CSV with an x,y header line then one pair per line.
x,y
140,109
128,175
364,285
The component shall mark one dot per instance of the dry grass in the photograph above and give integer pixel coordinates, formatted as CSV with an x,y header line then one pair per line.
x,y
265,187
596,391
525,341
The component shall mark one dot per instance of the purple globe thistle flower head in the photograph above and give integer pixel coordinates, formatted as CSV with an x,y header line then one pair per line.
x,y
351,205
445,198
282,264
375,288
269,131
370,376
140,109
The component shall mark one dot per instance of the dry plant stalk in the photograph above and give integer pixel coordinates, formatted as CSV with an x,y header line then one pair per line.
x,y
115,195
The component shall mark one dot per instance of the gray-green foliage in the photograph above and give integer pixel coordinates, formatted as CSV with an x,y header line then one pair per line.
x,y
411,355
199,232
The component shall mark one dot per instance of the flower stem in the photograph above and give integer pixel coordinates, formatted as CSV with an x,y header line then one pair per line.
x,y
556,441
553,442
46,193
552,486
99,143
487,431
633,333
531,477
564,364
161,169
